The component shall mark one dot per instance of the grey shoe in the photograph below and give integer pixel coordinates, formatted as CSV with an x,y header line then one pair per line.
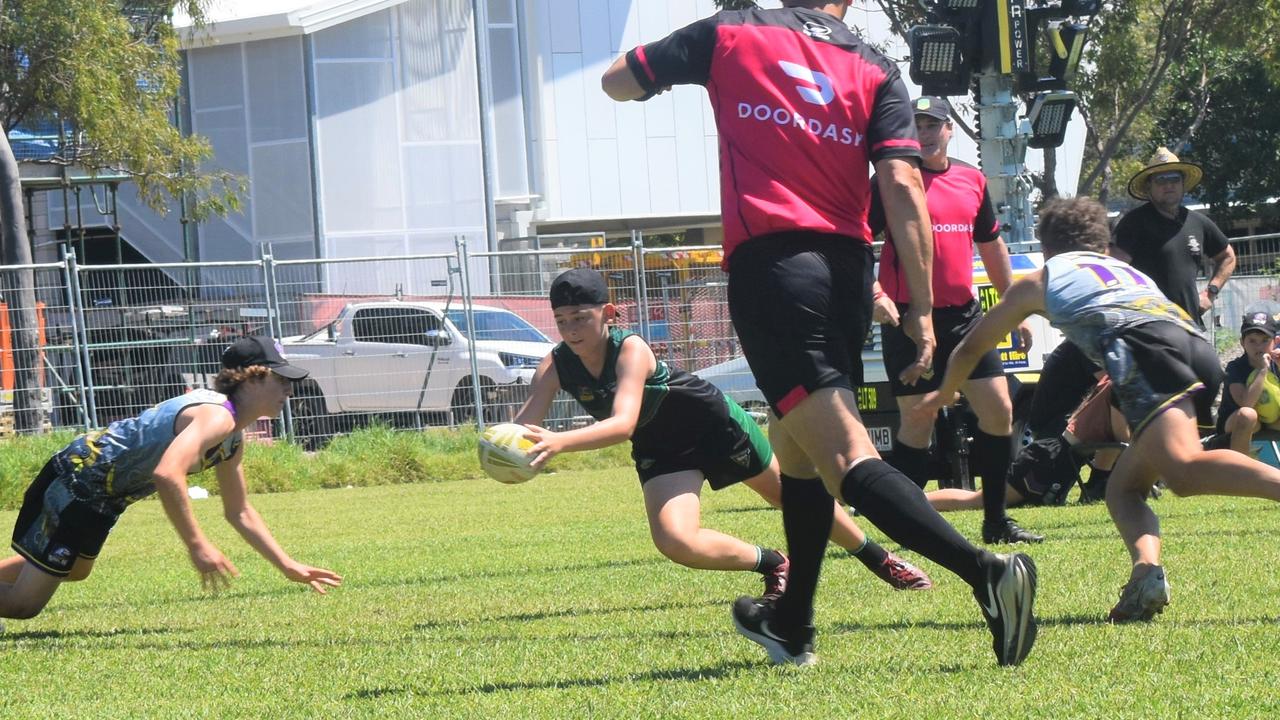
x,y
1143,598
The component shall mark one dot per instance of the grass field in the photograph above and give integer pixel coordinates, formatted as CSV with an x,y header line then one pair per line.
x,y
474,600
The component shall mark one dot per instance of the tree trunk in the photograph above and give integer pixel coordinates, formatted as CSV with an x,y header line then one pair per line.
x,y
1049,188
19,294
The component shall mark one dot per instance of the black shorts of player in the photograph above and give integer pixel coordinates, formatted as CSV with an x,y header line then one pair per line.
x,y
801,305
55,528
1155,365
950,325
731,448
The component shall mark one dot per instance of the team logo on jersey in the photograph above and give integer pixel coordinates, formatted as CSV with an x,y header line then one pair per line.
x,y
817,31
1193,244
825,92
585,395
59,556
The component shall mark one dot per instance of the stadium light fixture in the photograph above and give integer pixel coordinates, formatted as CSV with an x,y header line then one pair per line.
x,y
937,60
1050,114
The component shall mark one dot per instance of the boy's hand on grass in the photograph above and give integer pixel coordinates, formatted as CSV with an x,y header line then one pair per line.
x,y
216,571
319,579
546,445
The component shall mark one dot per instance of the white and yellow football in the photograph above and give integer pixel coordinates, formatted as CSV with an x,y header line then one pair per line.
x,y
504,453
1268,405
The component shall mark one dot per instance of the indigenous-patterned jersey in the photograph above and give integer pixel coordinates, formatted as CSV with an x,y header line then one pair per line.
x,y
961,212
1091,297
112,468
802,106
674,401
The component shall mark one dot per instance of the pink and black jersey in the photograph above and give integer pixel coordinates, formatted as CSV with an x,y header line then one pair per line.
x,y
802,105
961,212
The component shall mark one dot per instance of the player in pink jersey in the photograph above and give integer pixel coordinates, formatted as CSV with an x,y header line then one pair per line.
x,y
962,216
803,106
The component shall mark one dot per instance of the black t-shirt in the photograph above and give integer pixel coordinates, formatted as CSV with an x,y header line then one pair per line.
x,y
1170,251
1237,372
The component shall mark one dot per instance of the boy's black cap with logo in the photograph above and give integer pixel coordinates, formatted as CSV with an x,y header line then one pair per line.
x,y
579,286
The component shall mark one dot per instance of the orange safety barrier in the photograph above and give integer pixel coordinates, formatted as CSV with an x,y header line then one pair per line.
x,y
7,375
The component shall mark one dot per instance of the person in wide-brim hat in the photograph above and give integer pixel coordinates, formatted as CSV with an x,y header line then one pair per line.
x,y
1161,162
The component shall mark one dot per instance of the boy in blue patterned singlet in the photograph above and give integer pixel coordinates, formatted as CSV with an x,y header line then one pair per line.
x,y
1165,375
81,492
682,430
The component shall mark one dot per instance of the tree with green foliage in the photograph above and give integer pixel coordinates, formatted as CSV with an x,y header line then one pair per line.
x,y
1231,129
109,72
1141,55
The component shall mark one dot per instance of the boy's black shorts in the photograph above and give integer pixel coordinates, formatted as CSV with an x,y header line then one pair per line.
x,y
801,305
950,325
1155,365
55,528
732,448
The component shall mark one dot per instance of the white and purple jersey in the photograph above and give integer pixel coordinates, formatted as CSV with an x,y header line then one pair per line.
x,y
1091,297
111,468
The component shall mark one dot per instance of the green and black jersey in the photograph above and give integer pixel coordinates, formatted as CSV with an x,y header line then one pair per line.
x,y
685,422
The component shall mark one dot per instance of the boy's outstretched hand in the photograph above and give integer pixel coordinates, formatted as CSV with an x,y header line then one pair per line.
x,y
319,579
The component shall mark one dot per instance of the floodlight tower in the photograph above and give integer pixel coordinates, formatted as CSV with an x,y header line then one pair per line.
x,y
996,49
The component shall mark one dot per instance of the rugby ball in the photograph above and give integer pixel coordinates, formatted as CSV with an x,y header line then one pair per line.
x,y
504,453
1268,405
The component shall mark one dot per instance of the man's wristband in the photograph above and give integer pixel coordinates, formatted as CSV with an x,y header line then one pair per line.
x,y
1213,290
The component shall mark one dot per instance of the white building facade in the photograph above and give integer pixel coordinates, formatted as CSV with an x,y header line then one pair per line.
x,y
360,129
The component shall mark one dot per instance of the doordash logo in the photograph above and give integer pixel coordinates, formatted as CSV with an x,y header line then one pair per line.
x,y
825,92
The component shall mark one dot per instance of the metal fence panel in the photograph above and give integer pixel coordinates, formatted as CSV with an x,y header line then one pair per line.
x,y
526,277
54,361
151,335
390,352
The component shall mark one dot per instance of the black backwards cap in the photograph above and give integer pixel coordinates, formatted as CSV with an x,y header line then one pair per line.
x,y
260,350
1258,321
579,286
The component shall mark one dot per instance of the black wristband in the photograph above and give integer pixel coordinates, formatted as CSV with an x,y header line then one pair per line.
x,y
1213,290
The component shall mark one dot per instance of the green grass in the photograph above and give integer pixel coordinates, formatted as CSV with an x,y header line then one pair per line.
x,y
369,456
546,600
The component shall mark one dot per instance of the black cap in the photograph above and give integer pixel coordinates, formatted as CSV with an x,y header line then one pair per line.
x,y
933,106
1260,322
579,286
260,350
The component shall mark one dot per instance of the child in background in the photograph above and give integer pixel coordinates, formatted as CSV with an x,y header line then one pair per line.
x,y
1251,392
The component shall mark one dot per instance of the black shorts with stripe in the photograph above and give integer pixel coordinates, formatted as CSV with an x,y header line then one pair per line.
x,y
728,448
1155,365
55,528
950,325
801,305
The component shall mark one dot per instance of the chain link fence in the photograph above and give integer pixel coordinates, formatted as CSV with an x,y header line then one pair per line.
x,y
410,341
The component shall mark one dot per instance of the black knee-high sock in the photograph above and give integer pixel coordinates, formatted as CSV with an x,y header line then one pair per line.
x,y
806,520
990,459
912,462
895,505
